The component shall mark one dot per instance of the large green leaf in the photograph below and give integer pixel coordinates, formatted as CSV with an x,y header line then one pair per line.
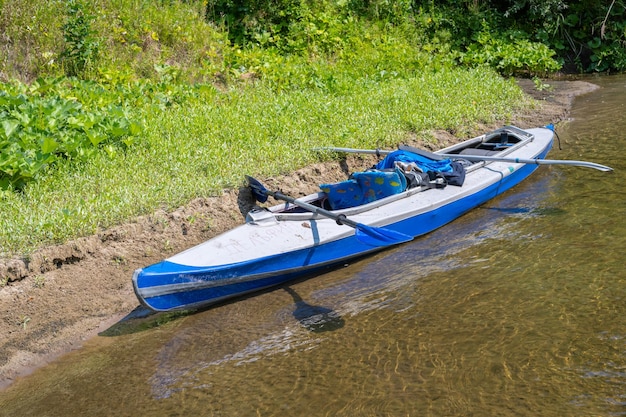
x,y
49,145
96,136
10,126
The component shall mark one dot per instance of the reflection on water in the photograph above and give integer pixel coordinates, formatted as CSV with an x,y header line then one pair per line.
x,y
515,309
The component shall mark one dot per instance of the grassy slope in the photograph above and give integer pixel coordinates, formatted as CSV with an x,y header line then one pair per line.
x,y
210,140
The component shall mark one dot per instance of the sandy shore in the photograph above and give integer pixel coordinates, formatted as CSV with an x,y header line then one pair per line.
x,y
64,295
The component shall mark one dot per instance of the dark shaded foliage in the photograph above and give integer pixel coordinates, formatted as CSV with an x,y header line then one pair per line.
x,y
586,35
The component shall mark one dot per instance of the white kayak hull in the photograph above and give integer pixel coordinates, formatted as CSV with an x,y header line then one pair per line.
x,y
278,245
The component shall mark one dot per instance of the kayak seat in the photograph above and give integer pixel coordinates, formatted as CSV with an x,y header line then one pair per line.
x,y
377,184
364,187
342,194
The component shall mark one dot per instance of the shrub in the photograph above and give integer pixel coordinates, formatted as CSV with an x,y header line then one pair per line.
x,y
81,45
510,54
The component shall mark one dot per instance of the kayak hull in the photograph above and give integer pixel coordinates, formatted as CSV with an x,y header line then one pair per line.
x,y
282,247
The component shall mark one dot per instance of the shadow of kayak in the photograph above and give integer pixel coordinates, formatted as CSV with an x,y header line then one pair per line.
x,y
316,319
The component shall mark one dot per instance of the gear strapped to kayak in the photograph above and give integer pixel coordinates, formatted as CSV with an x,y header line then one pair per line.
x,y
452,171
399,170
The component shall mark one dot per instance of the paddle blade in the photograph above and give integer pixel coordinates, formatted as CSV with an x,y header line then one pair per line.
x,y
377,236
258,190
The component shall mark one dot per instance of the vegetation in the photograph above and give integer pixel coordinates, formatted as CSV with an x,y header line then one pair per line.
x,y
81,47
45,123
587,35
112,108
206,143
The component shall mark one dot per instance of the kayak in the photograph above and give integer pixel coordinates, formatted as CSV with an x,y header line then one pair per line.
x,y
410,193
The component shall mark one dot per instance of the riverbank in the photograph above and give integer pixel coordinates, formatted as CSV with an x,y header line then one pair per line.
x,y
71,292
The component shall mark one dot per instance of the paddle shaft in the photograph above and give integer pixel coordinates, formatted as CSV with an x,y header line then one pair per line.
x,y
340,219
376,152
373,236
536,161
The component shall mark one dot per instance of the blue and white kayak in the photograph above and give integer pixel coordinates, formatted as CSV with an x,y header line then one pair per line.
x,y
285,241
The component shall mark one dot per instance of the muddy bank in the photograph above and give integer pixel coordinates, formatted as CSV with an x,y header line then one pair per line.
x,y
65,294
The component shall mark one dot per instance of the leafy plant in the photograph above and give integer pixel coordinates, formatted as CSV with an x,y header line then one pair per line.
x,y
510,54
81,46
246,19
45,124
540,85
39,281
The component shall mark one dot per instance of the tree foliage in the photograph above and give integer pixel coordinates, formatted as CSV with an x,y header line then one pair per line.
x,y
585,35
588,35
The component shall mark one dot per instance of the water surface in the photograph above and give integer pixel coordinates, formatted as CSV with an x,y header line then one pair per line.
x,y
516,309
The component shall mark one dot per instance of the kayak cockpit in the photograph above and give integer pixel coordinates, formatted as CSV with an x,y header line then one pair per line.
x,y
500,142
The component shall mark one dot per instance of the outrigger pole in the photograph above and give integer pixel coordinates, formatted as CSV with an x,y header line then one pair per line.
x,y
439,156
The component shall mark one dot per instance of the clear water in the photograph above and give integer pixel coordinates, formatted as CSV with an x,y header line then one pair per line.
x,y
516,309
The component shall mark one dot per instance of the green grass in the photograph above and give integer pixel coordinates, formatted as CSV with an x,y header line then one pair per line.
x,y
211,139
164,108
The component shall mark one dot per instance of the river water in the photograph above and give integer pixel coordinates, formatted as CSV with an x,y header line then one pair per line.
x,y
516,309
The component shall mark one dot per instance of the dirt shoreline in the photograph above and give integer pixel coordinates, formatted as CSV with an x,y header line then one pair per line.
x,y
63,295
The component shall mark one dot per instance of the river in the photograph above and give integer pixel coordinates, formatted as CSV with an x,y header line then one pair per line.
x,y
516,309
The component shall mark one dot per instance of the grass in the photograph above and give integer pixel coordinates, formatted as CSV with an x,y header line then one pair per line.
x,y
210,140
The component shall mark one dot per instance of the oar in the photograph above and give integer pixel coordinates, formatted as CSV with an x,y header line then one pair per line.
x,y
374,236
536,161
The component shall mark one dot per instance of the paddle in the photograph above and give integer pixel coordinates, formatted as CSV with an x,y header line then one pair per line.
x,y
439,156
374,236
536,161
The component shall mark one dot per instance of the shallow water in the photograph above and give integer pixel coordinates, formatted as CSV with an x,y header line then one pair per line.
x,y
516,309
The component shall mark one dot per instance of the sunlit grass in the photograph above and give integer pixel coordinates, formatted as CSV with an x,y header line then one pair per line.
x,y
210,142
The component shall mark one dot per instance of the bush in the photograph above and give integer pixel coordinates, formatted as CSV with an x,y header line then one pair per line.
x,y
587,35
81,46
510,54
